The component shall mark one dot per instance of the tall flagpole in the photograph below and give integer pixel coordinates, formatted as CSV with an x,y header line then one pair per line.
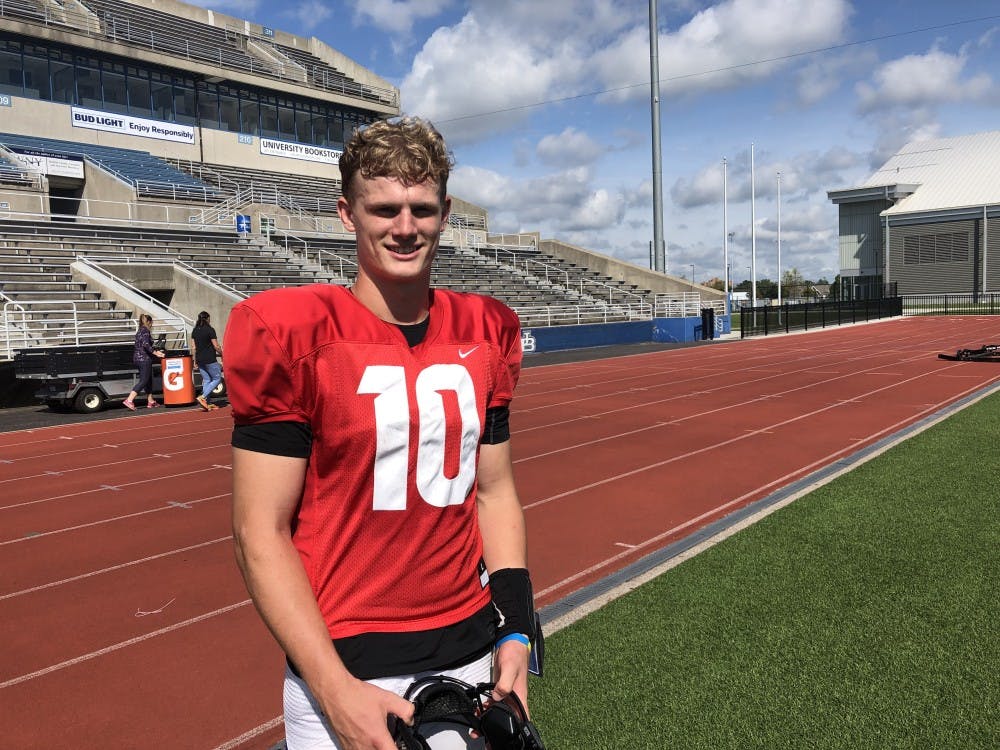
x,y
753,233
659,249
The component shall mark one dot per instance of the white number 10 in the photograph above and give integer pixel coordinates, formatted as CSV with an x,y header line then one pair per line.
x,y
392,446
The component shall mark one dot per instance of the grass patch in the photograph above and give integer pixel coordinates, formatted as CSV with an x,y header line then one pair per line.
x,y
864,615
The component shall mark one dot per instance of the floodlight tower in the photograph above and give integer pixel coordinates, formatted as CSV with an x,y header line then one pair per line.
x,y
725,234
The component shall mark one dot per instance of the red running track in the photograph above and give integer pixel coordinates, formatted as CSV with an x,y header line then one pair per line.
x,y
123,619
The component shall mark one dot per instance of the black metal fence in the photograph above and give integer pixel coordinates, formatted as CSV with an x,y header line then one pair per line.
x,y
987,303
767,319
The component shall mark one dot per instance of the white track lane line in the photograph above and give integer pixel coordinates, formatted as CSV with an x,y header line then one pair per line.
x,y
113,568
104,488
252,734
118,646
157,438
91,467
167,506
774,484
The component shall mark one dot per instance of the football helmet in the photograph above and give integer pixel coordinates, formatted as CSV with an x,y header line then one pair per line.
x,y
444,700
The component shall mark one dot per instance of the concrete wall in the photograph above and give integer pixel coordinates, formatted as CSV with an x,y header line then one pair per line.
x,y
644,278
26,201
210,146
660,330
191,293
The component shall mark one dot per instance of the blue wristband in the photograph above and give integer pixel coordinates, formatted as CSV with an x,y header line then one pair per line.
x,y
519,637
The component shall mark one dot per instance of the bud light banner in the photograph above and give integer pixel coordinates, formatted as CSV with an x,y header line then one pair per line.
x,y
114,123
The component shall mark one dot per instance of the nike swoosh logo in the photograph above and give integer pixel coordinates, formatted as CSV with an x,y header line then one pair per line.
x,y
463,355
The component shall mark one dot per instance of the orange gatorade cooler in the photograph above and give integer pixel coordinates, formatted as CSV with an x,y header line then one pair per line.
x,y
178,380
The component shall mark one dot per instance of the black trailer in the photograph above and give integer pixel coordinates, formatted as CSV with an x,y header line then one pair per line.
x,y
87,377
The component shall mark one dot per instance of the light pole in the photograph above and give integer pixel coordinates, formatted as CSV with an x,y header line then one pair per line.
x,y
692,273
727,236
779,240
659,247
753,233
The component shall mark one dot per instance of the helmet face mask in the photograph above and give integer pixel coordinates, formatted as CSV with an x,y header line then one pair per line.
x,y
444,700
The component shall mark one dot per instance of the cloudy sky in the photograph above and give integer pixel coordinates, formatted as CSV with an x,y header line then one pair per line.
x,y
546,105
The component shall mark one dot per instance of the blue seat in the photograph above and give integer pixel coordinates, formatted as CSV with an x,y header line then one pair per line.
x,y
147,173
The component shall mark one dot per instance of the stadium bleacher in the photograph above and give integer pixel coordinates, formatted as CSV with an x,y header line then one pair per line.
x,y
187,194
148,174
140,26
316,194
49,307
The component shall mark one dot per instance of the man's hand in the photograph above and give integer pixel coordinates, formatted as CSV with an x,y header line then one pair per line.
x,y
359,715
510,665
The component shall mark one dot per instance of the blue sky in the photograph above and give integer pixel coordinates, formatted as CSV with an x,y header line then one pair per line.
x,y
546,107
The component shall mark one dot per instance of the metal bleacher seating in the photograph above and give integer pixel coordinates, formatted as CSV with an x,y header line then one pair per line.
x,y
328,78
38,291
454,268
11,174
139,26
148,174
316,195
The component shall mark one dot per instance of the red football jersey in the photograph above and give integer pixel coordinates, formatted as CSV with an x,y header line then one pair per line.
x,y
387,527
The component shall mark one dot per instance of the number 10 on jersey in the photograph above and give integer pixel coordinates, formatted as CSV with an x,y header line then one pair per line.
x,y
392,419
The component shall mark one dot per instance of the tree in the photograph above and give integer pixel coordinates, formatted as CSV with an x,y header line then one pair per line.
x,y
792,284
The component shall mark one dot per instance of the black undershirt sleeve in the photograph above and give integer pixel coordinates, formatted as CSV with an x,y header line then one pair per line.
x,y
292,439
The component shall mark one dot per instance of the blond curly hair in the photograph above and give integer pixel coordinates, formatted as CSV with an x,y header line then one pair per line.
x,y
408,149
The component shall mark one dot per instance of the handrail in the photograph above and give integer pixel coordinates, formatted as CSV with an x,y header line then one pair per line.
x,y
36,177
339,260
94,260
25,320
547,315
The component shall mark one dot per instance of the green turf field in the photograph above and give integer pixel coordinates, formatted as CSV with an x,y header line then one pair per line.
x,y
863,615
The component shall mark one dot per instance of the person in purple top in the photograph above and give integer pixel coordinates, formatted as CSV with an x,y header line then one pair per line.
x,y
142,357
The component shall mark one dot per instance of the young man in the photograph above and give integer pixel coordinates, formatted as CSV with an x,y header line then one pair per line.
x,y
376,520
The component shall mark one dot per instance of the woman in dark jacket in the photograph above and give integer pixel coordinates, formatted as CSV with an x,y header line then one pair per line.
x,y
142,357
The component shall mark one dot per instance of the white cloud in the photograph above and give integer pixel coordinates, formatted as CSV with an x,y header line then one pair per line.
x,y
468,69
560,202
729,38
825,74
896,129
238,8
569,148
397,16
924,80
310,14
